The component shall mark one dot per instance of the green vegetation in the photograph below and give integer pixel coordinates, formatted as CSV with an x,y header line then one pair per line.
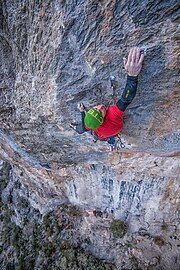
x,y
65,245
159,241
1,249
51,239
4,175
164,227
118,228
48,249
134,262
23,203
74,211
45,239
77,258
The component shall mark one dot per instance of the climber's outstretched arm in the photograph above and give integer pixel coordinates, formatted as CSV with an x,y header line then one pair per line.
x,y
133,67
128,93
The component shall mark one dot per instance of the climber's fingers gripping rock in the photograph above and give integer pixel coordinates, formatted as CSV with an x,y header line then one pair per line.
x,y
133,63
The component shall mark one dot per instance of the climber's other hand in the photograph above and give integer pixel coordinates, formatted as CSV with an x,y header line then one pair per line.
x,y
81,107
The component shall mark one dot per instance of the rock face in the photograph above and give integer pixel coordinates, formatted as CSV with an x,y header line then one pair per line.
x,y
55,54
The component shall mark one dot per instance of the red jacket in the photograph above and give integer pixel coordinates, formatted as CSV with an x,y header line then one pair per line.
x,y
112,125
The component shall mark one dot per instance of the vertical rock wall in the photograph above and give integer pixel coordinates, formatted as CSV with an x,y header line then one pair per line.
x,y
58,53
54,54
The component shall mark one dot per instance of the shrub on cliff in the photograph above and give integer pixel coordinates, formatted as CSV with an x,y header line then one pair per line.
x,y
118,228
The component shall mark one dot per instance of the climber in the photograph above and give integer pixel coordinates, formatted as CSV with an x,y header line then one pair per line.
x,y
106,123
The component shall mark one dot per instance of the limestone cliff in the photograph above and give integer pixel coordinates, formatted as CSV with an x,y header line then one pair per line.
x,y
54,54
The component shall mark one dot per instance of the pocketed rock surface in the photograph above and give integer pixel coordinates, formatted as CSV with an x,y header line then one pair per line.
x,y
54,54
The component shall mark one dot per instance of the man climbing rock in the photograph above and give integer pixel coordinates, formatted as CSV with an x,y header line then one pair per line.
x,y
106,123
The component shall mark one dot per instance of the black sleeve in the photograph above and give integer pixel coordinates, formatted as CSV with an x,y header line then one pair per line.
x,y
128,93
82,118
80,128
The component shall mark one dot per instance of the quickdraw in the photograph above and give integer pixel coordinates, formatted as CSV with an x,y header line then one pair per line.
x,y
119,142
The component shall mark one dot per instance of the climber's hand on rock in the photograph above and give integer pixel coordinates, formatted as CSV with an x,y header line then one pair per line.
x,y
133,64
81,107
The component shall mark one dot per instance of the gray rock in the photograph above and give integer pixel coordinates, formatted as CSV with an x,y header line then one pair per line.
x,y
54,54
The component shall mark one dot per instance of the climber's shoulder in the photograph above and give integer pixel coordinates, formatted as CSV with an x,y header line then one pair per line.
x,y
113,110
